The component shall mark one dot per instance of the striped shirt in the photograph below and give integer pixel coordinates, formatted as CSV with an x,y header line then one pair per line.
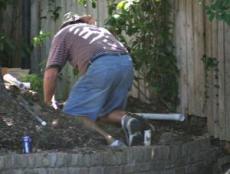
x,y
79,43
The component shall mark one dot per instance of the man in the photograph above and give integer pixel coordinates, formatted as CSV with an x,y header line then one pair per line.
x,y
106,76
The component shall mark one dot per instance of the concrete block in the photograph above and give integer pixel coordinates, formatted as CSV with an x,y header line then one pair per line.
x,y
175,152
96,159
129,169
21,161
8,162
114,158
62,159
96,170
180,170
2,161
168,171
113,170
143,167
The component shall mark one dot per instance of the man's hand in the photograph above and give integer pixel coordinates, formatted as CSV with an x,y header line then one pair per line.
x,y
55,104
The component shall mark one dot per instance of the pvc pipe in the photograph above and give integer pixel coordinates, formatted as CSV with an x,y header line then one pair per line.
x,y
163,116
12,80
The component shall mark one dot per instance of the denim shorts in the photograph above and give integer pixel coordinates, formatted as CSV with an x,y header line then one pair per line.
x,y
102,89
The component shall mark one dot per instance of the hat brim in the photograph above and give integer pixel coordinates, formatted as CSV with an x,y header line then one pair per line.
x,y
75,19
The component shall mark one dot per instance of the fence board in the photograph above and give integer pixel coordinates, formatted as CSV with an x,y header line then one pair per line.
x,y
34,27
189,54
221,80
180,37
198,69
212,87
208,109
227,80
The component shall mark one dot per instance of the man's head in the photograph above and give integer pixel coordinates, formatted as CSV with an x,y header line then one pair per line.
x,y
71,18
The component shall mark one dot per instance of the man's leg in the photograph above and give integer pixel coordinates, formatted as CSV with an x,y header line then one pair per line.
x,y
113,117
132,127
90,124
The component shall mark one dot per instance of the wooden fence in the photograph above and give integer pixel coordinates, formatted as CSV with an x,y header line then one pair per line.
x,y
14,24
203,92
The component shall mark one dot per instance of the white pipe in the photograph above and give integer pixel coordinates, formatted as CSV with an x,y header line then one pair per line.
x,y
163,116
13,81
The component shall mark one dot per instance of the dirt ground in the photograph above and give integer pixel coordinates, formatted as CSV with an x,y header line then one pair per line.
x,y
64,132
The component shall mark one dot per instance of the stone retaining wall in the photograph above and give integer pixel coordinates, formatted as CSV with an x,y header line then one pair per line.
x,y
195,157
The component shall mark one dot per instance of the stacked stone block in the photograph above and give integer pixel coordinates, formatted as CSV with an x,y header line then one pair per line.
x,y
194,157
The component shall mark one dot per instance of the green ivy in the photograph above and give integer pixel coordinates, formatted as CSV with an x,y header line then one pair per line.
x,y
85,2
40,38
54,10
146,29
210,69
218,9
5,3
7,48
35,81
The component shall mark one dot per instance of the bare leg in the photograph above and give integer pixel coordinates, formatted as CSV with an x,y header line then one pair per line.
x,y
92,125
113,117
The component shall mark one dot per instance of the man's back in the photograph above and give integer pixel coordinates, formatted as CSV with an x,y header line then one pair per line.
x,y
78,43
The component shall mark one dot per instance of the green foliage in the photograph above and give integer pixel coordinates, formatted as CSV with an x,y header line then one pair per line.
x,y
84,2
7,48
35,81
145,28
4,3
209,62
54,10
40,38
218,9
210,70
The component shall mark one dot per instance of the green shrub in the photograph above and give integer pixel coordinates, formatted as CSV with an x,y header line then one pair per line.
x,y
35,81
146,28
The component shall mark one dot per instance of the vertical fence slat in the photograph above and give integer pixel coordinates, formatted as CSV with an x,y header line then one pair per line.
x,y
214,80
227,80
34,27
189,54
198,69
221,80
180,40
208,90
102,12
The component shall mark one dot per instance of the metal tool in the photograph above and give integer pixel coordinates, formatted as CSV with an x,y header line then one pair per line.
x,y
25,105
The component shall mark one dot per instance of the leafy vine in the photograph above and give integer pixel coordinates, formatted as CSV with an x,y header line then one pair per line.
x,y
54,9
217,9
211,65
146,29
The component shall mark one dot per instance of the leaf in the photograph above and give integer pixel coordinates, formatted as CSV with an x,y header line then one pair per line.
x,y
120,5
94,4
116,16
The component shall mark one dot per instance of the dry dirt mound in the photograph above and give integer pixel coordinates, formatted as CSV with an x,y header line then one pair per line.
x,y
64,132
60,132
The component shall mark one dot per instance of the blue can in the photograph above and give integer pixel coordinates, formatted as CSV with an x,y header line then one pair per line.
x,y
26,144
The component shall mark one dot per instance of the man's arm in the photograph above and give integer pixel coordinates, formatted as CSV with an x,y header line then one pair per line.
x,y
49,84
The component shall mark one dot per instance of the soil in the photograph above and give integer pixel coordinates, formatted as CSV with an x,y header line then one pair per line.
x,y
63,132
